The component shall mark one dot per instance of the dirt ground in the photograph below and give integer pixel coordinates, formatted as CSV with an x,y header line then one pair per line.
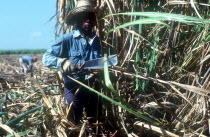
x,y
10,73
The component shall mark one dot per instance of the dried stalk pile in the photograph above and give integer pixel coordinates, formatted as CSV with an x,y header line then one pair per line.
x,y
163,71
160,86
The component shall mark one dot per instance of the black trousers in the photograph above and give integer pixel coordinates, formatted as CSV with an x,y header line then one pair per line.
x,y
83,99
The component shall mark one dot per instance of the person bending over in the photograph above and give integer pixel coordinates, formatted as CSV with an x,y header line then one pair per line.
x,y
26,63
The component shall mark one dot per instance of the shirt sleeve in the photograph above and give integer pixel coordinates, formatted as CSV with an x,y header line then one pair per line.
x,y
50,60
27,60
30,67
30,63
54,55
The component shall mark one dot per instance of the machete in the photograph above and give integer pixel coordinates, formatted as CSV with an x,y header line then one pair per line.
x,y
98,63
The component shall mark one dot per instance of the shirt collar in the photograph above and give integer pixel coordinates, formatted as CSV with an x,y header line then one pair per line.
x,y
77,34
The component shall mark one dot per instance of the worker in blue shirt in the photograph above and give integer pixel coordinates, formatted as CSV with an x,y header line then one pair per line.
x,y
70,52
26,63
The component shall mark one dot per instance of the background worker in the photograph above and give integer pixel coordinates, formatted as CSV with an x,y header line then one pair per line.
x,y
70,52
26,63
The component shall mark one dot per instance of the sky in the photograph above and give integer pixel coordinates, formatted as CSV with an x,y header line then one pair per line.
x,y
24,24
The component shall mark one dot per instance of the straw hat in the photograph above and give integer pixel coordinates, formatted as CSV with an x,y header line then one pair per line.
x,y
82,6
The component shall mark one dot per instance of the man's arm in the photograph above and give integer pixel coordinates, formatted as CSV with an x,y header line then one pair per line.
x,y
57,56
54,56
51,60
28,60
30,67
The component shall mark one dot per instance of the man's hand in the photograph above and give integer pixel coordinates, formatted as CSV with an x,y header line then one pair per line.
x,y
68,67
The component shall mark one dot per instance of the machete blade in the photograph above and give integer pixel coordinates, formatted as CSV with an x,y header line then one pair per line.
x,y
99,62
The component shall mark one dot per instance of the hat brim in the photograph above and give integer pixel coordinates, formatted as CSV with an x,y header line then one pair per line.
x,y
72,16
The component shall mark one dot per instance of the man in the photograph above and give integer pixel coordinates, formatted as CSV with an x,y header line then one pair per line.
x,y
70,52
26,63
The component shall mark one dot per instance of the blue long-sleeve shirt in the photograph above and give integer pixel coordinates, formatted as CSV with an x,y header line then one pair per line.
x,y
28,61
74,47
